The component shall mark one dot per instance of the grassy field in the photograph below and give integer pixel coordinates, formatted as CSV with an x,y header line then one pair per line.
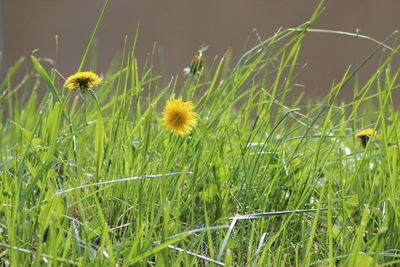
x,y
97,179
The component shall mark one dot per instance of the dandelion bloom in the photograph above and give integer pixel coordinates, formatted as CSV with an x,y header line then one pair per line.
x,y
179,117
83,81
365,135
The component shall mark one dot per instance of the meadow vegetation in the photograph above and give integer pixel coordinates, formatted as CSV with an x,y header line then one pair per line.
x,y
96,177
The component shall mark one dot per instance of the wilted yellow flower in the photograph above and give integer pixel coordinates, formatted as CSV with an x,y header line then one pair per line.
x,y
83,81
179,117
197,65
197,62
365,135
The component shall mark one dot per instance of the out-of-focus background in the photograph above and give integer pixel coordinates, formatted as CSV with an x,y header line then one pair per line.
x,y
180,27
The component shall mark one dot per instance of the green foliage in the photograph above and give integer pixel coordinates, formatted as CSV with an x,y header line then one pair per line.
x,y
96,180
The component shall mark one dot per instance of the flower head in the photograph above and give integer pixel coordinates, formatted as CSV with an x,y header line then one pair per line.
x,y
197,62
83,81
365,135
179,117
366,132
197,65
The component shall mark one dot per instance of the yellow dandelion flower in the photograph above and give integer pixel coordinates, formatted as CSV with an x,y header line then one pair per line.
x,y
365,135
179,117
83,81
366,132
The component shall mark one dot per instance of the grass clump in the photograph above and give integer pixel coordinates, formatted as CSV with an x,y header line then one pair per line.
x,y
97,180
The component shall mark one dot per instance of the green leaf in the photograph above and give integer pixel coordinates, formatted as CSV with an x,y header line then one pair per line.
x,y
158,248
93,94
11,72
45,77
365,260
99,143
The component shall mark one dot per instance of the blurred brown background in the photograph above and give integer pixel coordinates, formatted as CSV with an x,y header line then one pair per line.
x,y
180,27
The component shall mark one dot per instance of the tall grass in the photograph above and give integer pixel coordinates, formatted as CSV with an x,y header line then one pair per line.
x,y
98,181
